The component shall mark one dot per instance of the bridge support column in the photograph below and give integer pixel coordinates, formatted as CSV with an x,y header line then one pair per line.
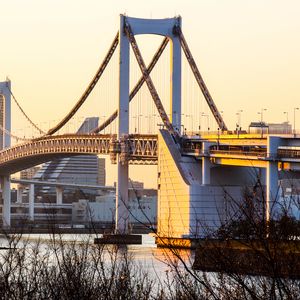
x,y
122,214
31,202
176,81
206,164
272,176
6,197
19,194
59,195
5,88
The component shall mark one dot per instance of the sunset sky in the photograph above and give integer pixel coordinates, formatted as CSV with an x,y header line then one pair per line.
x,y
247,51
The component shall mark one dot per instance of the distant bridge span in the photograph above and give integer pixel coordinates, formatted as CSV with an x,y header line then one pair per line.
x,y
137,149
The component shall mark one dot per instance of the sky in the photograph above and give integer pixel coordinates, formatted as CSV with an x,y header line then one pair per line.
x,y
248,53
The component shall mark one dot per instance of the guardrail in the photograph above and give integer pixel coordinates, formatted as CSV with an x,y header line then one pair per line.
x,y
284,153
243,153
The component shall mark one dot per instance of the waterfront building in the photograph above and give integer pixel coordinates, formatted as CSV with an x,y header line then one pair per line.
x,y
79,169
29,173
143,210
270,128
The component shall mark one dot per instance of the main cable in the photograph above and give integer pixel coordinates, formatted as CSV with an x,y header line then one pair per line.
x,y
137,86
23,112
12,135
89,88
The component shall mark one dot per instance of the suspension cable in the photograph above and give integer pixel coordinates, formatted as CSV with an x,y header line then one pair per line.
x,y
149,83
23,112
12,135
200,80
137,87
89,88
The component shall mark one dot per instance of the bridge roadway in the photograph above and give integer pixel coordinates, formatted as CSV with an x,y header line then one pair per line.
x,y
61,184
136,149
248,150
225,149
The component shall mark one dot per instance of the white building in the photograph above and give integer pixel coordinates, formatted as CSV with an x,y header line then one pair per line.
x,y
142,210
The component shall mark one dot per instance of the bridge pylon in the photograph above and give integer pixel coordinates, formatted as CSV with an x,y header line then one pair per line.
x,y
5,126
163,27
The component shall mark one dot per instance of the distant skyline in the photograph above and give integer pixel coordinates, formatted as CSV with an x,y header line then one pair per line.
x,y
248,53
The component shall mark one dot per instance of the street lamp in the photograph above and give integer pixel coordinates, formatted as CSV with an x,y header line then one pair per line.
x,y
191,123
140,120
287,121
135,121
239,117
295,108
204,115
148,117
261,113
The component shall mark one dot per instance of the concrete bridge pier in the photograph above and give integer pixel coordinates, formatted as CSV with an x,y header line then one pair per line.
x,y
6,198
206,164
19,194
59,195
272,176
31,202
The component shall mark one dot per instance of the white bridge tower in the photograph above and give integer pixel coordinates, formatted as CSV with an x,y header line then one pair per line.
x,y
163,27
5,126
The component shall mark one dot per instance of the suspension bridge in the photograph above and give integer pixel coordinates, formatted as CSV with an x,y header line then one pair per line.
x,y
193,171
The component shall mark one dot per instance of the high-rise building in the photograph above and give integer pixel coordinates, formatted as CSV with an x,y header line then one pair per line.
x,y
101,171
81,169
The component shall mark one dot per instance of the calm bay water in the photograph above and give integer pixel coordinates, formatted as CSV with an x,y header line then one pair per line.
x,y
156,261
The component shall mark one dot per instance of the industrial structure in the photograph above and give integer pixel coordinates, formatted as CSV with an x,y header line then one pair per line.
x,y
197,175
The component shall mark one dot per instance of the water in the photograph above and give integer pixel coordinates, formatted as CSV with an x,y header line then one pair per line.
x,y
155,261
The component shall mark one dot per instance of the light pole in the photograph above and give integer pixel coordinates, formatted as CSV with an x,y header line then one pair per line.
x,y
287,121
190,116
287,116
187,116
182,122
140,122
204,115
135,120
295,108
148,117
261,113
239,120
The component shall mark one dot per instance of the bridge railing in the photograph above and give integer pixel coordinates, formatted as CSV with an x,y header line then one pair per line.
x,y
288,153
243,153
135,149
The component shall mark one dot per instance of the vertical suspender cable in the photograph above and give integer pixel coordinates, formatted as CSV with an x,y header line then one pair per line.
x,y
200,81
137,86
89,88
